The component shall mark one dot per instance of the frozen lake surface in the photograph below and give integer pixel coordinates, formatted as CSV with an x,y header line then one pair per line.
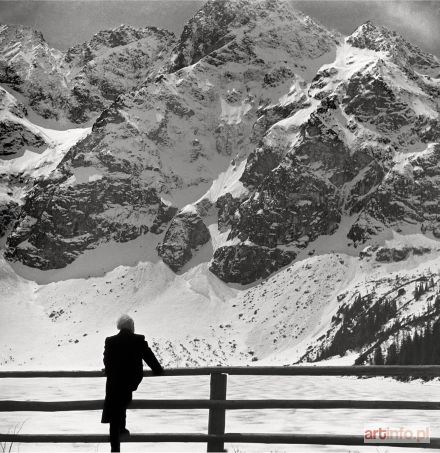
x,y
334,421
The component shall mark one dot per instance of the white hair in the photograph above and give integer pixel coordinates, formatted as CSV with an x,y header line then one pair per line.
x,y
125,322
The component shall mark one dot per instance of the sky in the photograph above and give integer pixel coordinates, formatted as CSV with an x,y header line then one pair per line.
x,y
66,23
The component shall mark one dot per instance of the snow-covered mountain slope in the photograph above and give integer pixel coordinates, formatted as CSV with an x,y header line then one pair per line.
x,y
383,303
75,86
246,203
364,153
194,318
29,154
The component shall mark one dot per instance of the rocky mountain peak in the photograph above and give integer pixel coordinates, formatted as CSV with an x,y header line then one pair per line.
x,y
381,39
218,22
123,35
16,33
120,36
374,37
24,46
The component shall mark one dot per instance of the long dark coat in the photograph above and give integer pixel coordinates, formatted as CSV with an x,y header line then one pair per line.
x,y
123,355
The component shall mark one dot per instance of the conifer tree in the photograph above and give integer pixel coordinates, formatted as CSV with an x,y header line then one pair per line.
x,y
392,355
378,356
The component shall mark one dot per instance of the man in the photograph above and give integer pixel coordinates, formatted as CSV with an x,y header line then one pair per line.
x,y
123,355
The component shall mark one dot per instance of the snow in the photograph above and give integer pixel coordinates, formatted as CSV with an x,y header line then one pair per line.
x,y
411,240
227,182
189,209
83,175
163,304
296,94
36,164
298,118
403,160
423,109
165,201
277,319
349,60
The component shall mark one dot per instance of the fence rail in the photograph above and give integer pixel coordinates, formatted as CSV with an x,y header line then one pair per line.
x,y
91,405
358,370
236,438
218,404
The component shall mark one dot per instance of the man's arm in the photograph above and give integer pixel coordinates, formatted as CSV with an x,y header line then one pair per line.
x,y
151,360
106,357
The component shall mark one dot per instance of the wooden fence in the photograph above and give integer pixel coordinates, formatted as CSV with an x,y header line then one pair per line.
x,y
218,404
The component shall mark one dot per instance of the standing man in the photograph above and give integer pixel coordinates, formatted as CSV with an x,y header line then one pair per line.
x,y
123,355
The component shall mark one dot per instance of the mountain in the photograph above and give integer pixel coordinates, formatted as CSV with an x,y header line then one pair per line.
x,y
42,86
75,86
28,153
361,158
274,180
161,146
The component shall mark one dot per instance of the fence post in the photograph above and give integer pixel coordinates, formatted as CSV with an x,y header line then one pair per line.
x,y
216,421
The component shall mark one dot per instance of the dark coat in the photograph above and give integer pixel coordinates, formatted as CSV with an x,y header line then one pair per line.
x,y
123,355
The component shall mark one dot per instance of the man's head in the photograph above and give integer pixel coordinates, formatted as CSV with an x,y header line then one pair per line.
x,y
125,322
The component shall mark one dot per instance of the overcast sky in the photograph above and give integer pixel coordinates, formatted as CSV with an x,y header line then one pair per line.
x,y
65,23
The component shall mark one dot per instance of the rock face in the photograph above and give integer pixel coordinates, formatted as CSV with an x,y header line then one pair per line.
x,y
185,234
289,205
404,198
9,213
78,84
388,255
246,263
14,137
78,208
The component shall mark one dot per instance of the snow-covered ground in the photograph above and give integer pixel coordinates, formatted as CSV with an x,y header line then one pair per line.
x,y
335,421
